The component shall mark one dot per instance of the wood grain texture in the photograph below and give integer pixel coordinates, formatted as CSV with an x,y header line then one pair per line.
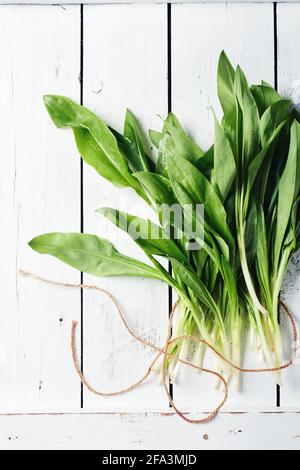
x,y
39,192
245,32
289,85
93,2
245,431
125,65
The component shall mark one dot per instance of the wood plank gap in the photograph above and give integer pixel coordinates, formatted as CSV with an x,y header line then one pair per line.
x,y
169,47
81,200
276,87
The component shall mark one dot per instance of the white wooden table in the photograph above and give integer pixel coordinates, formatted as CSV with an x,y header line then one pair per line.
x,y
150,58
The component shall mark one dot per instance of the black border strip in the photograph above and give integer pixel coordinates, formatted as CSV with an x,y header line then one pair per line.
x,y
81,201
275,30
169,59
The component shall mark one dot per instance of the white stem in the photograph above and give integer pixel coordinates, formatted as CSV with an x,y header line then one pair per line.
x,y
247,275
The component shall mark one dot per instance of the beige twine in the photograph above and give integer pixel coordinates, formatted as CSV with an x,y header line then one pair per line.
x,y
164,351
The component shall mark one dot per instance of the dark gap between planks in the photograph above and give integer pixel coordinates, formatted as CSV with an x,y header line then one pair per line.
x,y
276,87
81,202
169,65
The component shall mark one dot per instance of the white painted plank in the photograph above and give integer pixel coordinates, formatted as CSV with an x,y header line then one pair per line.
x,y
240,431
289,85
125,65
39,192
97,2
199,33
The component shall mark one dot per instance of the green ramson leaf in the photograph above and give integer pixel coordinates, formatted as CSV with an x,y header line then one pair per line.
x,y
264,96
272,118
226,90
262,258
91,254
191,187
149,236
128,151
224,164
159,188
176,142
232,120
289,185
133,132
94,140
257,161
206,163
250,117
161,193
251,232
155,137
197,287
230,281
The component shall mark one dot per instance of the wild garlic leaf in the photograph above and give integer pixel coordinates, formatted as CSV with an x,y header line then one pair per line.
x,y
96,143
262,257
257,161
158,187
197,286
251,231
289,186
91,254
206,163
264,95
232,119
272,118
250,117
134,133
128,151
93,156
225,79
176,141
224,163
155,137
160,191
191,187
149,236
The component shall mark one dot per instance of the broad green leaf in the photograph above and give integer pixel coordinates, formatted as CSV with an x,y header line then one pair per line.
x,y
92,155
257,161
96,143
230,281
206,163
133,132
264,96
155,137
161,193
272,118
197,286
176,142
288,189
173,121
91,254
262,258
224,164
149,236
232,120
158,187
191,188
225,80
250,117
251,231
128,151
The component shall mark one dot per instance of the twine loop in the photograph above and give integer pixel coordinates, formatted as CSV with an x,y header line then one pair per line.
x,y
164,351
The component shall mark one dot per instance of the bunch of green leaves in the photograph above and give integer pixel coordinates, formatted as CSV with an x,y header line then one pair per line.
x,y
248,182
